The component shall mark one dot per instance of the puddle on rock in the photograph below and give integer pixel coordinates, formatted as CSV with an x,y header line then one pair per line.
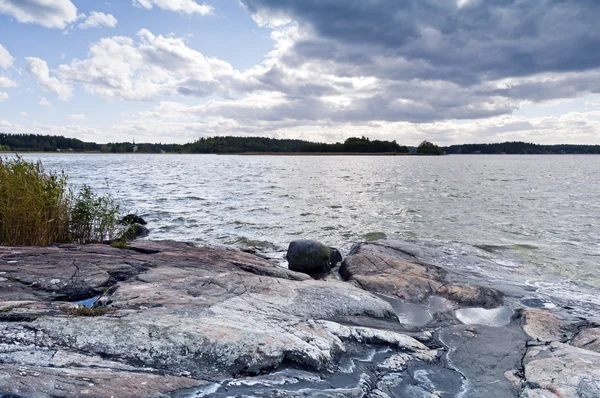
x,y
418,315
88,303
537,303
495,317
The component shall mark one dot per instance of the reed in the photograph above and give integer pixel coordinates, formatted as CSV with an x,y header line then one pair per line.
x,y
34,205
38,208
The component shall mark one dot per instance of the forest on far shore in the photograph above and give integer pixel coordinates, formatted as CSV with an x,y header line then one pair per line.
x,y
228,144
43,143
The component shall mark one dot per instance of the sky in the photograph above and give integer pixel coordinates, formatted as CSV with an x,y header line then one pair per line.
x,y
172,71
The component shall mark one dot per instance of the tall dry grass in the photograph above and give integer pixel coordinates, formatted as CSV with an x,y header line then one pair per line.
x,y
38,208
34,205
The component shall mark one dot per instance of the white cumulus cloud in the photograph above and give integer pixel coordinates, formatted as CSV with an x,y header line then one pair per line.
x,y
38,68
5,82
48,13
78,116
146,69
3,96
44,102
98,19
183,6
6,60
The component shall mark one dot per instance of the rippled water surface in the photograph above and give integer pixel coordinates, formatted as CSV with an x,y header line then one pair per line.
x,y
541,212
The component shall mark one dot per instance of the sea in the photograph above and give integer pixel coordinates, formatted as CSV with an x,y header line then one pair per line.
x,y
537,217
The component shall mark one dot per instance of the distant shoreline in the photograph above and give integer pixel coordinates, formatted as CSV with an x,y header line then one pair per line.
x,y
325,154
233,145
286,153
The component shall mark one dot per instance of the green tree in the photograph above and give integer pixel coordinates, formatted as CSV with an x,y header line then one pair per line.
x,y
428,148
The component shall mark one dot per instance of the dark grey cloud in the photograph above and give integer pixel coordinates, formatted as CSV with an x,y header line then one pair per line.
x,y
481,40
433,59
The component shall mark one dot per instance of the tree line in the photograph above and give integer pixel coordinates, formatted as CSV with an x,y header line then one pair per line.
x,y
229,144
222,145
521,148
258,145
43,143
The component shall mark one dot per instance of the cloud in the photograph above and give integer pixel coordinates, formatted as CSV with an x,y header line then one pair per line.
x,y
23,113
98,19
3,96
178,122
38,68
183,6
78,116
148,68
422,61
48,13
488,40
6,60
445,70
5,82
44,102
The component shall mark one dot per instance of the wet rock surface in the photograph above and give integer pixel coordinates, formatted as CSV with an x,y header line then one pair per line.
x,y
172,320
391,268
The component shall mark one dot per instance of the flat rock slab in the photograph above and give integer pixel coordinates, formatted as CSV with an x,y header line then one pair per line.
x,y
175,320
36,382
544,326
483,354
588,338
179,318
560,370
388,267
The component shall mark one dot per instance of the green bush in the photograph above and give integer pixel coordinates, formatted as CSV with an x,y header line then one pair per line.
x,y
94,218
38,208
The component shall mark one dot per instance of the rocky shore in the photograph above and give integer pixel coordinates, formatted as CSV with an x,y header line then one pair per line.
x,y
167,319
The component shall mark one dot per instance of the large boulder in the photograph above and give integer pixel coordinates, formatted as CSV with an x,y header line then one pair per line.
x,y
135,231
131,219
311,257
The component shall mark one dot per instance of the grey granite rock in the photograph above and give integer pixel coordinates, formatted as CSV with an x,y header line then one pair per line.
x,y
180,317
388,267
174,320
588,338
561,370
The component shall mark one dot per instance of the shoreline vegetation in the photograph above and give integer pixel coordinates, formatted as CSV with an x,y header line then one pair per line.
x,y
39,208
271,146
